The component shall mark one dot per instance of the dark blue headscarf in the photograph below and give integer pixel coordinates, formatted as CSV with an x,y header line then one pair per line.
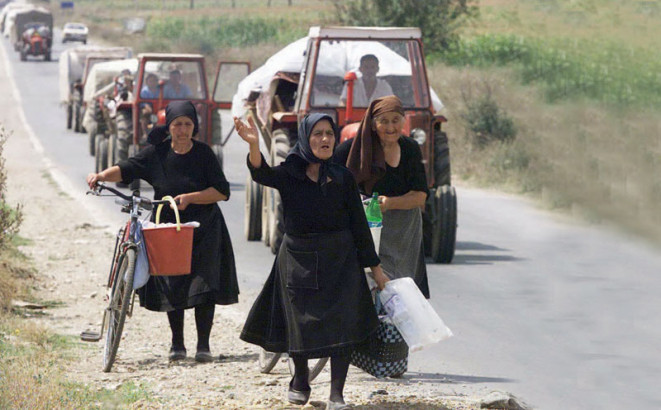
x,y
174,110
302,147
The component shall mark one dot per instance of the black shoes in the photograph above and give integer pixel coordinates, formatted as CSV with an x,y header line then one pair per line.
x,y
203,356
298,397
177,354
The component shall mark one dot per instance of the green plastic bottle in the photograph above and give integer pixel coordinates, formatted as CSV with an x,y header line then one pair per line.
x,y
373,212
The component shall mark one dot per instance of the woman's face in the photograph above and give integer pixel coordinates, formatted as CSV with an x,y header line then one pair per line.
x,y
181,129
322,140
389,126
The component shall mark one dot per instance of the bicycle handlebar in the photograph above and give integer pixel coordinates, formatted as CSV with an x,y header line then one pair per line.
x,y
143,202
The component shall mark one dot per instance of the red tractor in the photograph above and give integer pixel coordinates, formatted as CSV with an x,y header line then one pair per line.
x,y
34,33
162,78
313,75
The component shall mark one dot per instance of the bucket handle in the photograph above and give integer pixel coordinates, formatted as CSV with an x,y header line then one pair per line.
x,y
173,206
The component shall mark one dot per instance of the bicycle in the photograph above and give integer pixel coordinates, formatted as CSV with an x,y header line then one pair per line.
x,y
267,361
120,295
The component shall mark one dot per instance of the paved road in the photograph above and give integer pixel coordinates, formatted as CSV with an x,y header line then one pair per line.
x,y
562,315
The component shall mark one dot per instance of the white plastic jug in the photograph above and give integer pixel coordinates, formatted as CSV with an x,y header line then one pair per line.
x,y
413,315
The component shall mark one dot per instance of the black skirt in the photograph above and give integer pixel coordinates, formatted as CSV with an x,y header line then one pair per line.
x,y
213,273
316,302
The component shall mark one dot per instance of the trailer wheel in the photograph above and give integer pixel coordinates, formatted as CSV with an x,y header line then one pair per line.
x,y
444,224
102,154
24,56
279,150
69,116
253,211
76,115
47,56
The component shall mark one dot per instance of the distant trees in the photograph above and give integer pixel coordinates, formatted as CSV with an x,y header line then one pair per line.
x,y
439,20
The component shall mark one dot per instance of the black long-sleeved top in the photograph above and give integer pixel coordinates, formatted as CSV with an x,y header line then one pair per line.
x,y
409,175
308,210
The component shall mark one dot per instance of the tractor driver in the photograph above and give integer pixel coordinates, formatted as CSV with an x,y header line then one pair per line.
x,y
368,87
151,88
174,88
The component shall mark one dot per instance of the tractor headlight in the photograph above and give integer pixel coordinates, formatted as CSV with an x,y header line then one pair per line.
x,y
419,135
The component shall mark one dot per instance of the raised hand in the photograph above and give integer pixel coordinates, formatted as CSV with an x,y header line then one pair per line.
x,y
247,132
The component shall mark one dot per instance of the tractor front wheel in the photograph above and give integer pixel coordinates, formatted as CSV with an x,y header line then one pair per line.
x,y
444,224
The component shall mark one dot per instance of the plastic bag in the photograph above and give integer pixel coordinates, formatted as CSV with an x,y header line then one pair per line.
x,y
141,275
413,315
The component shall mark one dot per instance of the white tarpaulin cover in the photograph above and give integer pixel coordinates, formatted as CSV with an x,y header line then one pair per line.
x,y
335,59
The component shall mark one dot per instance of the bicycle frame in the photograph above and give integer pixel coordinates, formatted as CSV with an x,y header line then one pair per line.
x,y
120,295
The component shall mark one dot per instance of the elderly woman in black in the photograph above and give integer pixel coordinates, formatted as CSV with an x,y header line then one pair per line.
x,y
384,161
177,165
316,302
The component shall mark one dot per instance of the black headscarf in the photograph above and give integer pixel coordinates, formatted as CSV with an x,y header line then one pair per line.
x,y
303,151
174,110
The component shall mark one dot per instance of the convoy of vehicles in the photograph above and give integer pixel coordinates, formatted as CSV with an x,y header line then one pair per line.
x,y
309,75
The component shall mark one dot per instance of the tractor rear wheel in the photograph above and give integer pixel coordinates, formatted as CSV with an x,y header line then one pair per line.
x,y
253,210
133,149
441,159
444,224
124,127
97,148
102,154
112,150
279,150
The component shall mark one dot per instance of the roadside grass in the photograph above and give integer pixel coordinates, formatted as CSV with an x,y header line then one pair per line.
x,y
33,359
598,161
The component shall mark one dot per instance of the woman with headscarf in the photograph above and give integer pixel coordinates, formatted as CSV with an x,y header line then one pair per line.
x,y
175,164
316,302
384,161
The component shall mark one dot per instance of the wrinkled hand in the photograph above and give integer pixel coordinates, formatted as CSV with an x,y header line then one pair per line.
x,y
379,277
182,201
247,132
383,203
92,179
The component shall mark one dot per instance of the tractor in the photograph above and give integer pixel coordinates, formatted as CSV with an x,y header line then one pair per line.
x,y
310,75
74,67
161,78
34,33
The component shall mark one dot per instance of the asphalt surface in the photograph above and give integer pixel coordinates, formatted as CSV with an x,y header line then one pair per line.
x,y
563,315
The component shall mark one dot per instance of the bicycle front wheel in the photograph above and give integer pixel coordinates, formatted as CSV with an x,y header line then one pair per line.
x,y
120,299
315,367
